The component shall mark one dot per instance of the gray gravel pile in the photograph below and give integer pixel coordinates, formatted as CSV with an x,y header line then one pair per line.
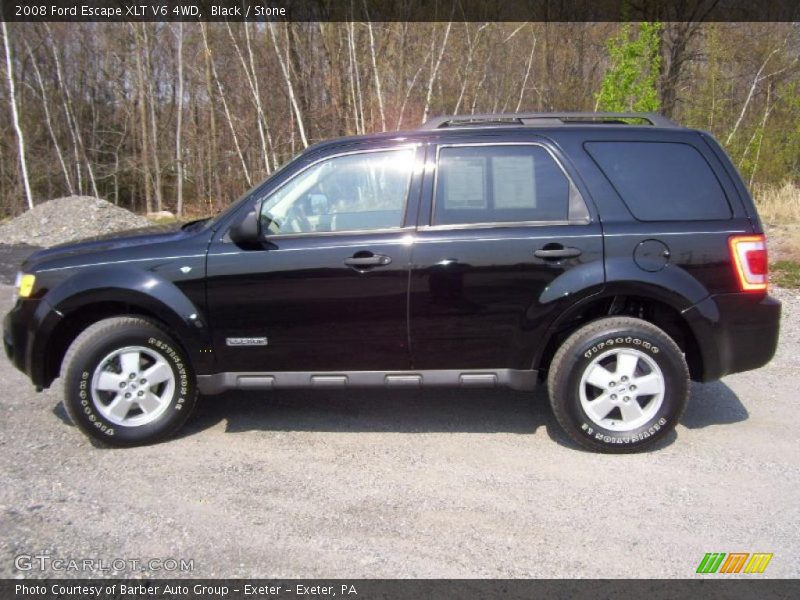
x,y
68,219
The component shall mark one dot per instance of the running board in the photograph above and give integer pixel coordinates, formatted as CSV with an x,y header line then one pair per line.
x,y
476,378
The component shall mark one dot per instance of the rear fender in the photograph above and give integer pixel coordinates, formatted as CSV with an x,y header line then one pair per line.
x,y
671,286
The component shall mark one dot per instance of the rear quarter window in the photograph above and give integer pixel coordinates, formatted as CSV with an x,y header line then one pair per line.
x,y
662,181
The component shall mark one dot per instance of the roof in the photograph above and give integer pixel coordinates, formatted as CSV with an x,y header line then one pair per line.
x,y
493,122
551,119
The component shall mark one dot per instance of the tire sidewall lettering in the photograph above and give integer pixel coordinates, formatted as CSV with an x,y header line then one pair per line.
x,y
179,368
184,387
611,342
660,422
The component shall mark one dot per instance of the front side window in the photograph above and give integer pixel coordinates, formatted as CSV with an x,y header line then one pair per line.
x,y
353,192
499,184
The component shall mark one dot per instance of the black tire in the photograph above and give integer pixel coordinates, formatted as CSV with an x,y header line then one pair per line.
x,y
85,356
606,337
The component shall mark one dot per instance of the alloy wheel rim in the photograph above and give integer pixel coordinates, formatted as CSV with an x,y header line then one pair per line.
x,y
622,389
132,386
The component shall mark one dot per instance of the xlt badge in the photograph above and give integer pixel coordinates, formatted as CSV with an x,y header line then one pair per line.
x,y
246,341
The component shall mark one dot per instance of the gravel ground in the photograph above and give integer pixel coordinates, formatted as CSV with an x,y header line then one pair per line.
x,y
410,484
68,219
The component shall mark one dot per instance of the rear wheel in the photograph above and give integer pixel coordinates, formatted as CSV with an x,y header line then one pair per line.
x,y
618,384
127,382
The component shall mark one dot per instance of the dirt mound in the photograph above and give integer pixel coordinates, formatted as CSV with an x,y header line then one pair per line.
x,y
69,219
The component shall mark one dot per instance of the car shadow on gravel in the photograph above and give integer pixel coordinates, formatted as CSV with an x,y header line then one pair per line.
x,y
713,404
422,411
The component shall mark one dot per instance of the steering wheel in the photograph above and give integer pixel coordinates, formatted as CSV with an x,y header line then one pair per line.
x,y
296,222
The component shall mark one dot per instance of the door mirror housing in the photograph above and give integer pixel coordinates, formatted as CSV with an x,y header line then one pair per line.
x,y
248,230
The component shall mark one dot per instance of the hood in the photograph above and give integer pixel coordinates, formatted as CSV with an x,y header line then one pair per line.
x,y
139,243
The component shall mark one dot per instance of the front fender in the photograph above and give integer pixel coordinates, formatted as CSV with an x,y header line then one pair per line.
x,y
143,290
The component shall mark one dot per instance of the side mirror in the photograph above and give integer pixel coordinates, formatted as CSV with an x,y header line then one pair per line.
x,y
248,230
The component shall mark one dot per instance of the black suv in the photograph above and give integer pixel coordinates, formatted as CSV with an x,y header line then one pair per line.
x,y
615,256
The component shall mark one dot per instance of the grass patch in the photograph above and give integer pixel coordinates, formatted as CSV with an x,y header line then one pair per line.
x,y
778,204
785,273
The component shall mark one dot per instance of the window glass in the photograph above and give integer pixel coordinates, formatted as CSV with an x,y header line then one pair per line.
x,y
344,193
499,184
662,181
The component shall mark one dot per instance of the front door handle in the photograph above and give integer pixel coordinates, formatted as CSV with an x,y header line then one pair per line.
x,y
557,252
376,260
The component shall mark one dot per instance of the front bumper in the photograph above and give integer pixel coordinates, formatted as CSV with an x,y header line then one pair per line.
x,y
26,327
735,332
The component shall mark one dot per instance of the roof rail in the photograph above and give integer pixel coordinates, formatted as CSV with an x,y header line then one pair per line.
x,y
545,119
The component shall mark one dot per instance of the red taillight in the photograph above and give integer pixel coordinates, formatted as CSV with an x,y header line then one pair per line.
x,y
749,258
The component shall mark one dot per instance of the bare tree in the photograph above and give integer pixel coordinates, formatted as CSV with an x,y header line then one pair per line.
x,y
23,165
153,127
228,116
527,74
252,81
768,106
80,148
142,104
49,120
125,112
355,85
178,127
289,86
377,75
435,70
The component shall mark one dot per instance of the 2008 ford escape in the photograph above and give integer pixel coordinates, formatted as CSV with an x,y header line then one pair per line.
x,y
614,256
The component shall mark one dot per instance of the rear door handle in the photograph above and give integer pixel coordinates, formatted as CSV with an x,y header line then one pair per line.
x,y
557,252
376,260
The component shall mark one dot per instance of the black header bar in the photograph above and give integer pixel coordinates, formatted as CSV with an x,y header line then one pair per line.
x,y
399,10
398,589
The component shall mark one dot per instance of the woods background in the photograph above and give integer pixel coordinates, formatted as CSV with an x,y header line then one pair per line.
x,y
186,116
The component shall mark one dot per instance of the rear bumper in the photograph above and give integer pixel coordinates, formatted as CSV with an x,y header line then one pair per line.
x,y
735,332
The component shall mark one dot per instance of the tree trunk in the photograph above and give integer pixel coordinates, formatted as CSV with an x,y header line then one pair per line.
x,y
49,120
142,100
288,81
252,83
435,72
225,106
213,169
375,70
76,130
15,117
178,126
154,128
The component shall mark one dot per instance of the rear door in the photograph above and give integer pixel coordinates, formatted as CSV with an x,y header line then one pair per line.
x,y
505,236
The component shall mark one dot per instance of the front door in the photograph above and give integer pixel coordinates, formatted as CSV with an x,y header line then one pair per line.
x,y
504,237
326,290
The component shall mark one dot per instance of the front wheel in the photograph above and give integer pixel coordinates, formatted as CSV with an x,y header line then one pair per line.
x,y
618,384
127,383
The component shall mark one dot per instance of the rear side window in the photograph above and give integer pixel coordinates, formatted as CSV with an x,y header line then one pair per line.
x,y
499,184
662,181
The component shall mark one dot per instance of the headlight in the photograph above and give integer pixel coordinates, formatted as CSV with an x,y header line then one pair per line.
x,y
24,284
